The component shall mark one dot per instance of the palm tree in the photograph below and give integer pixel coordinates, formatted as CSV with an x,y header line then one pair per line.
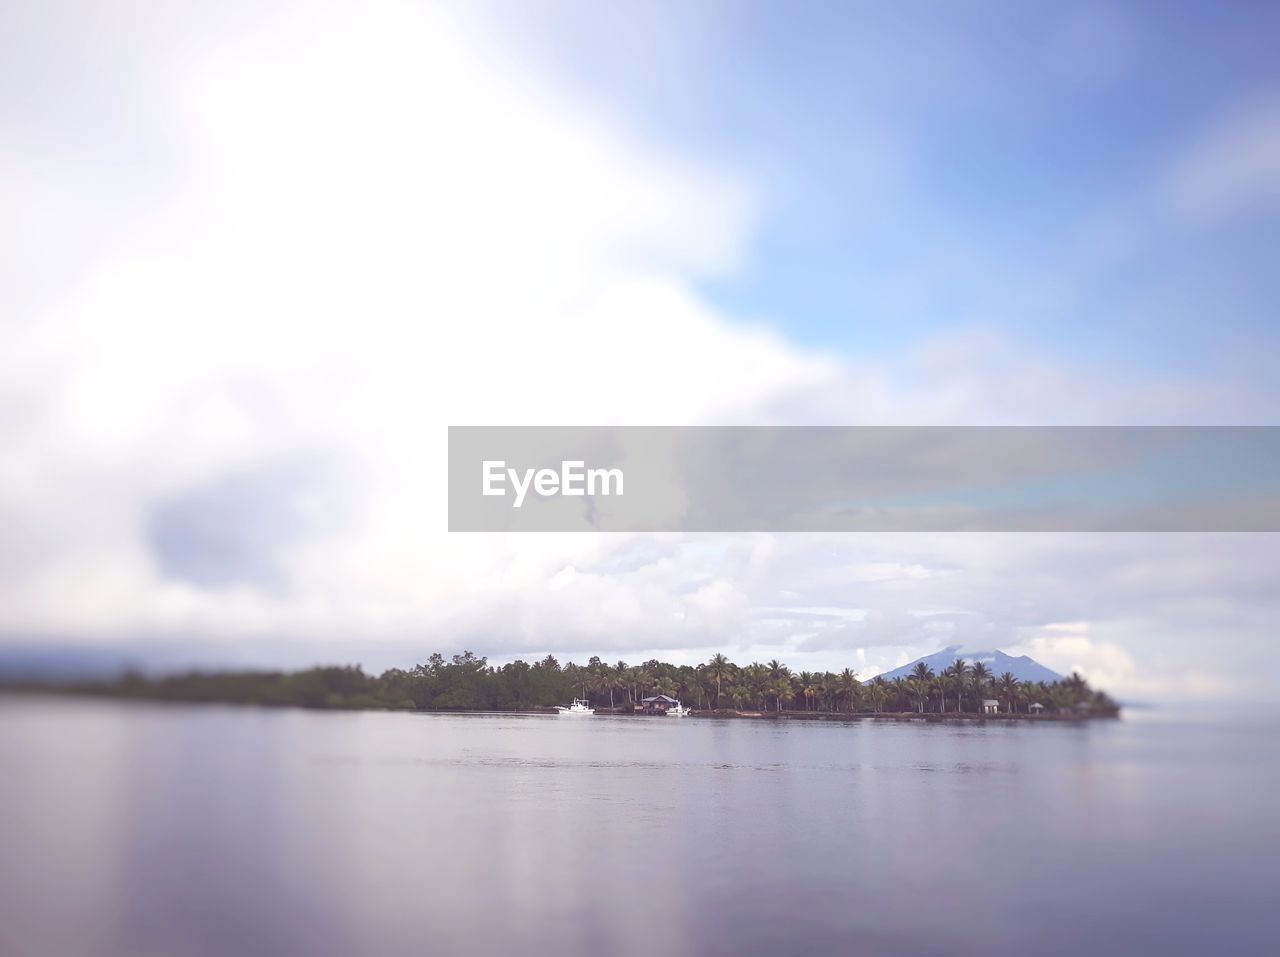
x,y
810,688
942,682
958,671
849,686
1008,688
979,679
644,681
691,685
922,672
1042,691
1060,697
877,691
1027,691
1077,686
803,680
900,693
918,688
577,677
829,685
617,679
719,668
779,689
756,677
598,679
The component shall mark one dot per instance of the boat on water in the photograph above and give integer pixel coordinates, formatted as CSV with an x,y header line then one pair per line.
x,y
578,707
677,711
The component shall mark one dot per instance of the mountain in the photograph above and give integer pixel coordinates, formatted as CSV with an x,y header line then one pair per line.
x,y
1023,668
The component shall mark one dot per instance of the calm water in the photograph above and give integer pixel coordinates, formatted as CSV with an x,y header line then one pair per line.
x,y
172,830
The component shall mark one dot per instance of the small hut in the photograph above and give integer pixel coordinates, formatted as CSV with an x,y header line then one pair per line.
x,y
658,704
1036,707
990,706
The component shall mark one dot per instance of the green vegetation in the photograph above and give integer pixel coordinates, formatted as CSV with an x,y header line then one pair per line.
x,y
468,682
963,687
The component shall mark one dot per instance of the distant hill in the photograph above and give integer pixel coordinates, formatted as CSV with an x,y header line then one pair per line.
x,y
1022,667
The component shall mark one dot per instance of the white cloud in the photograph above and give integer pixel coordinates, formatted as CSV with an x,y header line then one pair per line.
x,y
1068,647
372,225
1235,167
383,229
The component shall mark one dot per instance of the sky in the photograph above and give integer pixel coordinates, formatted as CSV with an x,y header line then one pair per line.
x,y
255,258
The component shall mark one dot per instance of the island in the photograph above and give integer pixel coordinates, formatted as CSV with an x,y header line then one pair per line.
x,y
966,688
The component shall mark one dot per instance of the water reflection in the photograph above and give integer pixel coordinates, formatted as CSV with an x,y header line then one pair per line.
x,y
147,829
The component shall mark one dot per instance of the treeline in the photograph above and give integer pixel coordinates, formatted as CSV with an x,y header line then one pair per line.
x,y
469,682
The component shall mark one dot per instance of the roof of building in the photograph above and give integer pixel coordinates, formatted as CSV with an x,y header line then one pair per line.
x,y
657,697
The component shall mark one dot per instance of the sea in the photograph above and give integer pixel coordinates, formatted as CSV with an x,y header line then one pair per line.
x,y
138,829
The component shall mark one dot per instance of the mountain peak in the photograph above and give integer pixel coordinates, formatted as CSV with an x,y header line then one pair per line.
x,y
1021,667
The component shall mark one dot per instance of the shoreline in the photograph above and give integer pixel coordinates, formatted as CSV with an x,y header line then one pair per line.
x,y
706,713
927,717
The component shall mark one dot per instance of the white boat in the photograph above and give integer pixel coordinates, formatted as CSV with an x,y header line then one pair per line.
x,y
578,707
677,711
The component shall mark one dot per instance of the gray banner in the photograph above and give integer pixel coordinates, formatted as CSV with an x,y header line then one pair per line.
x,y
869,479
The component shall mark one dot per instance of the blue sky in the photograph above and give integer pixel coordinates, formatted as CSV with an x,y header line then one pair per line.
x,y
926,166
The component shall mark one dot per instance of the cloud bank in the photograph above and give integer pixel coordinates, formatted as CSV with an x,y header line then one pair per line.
x,y
247,301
